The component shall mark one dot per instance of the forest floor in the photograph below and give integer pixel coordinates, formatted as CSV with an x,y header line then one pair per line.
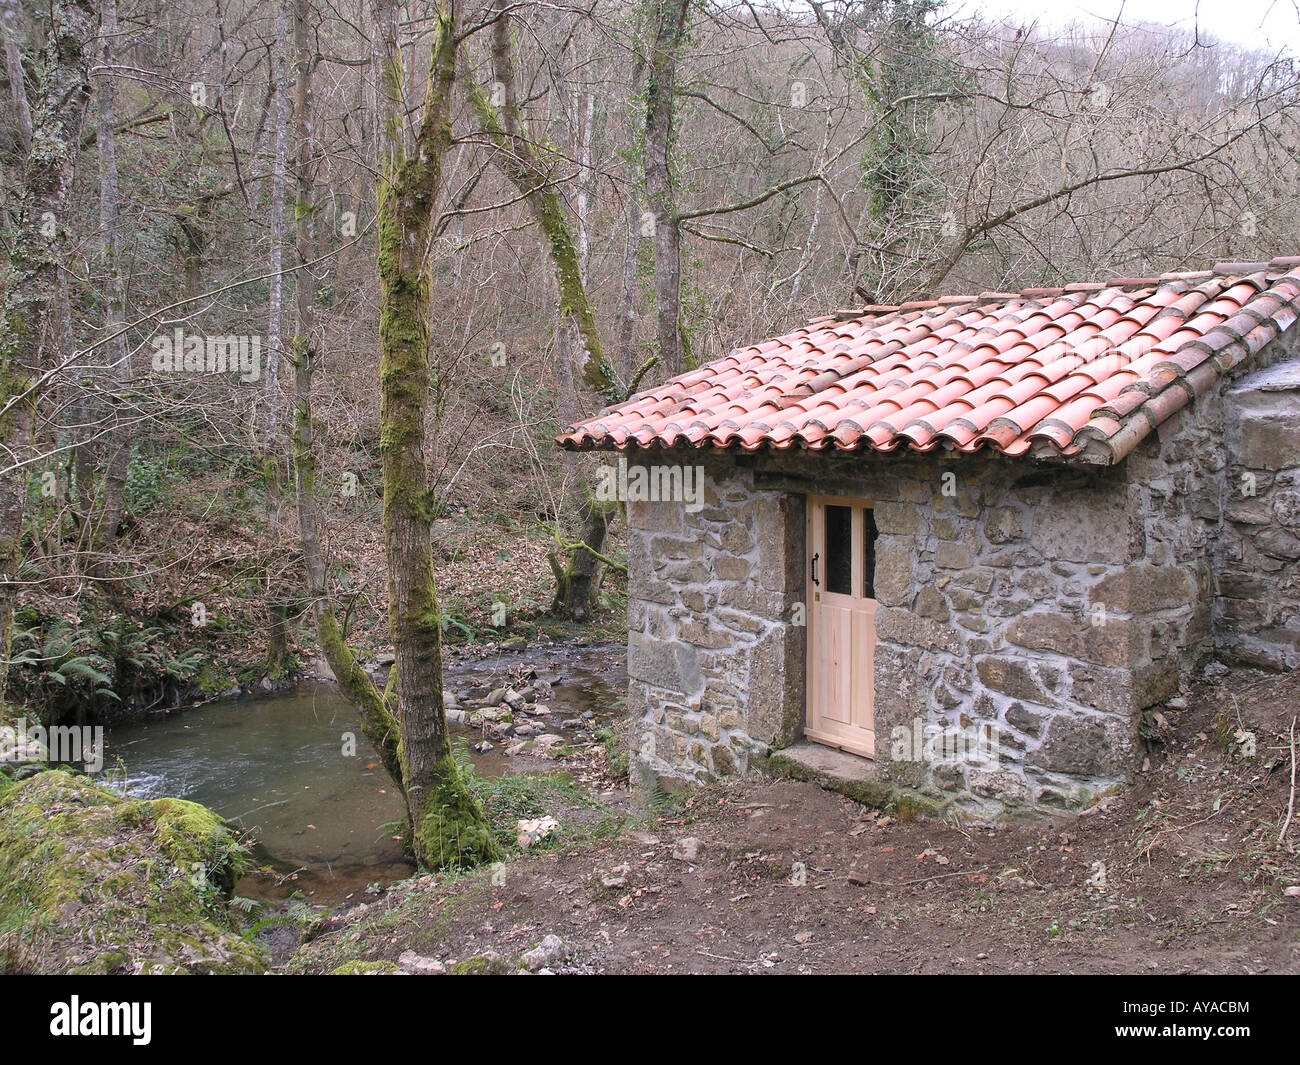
x,y
1183,872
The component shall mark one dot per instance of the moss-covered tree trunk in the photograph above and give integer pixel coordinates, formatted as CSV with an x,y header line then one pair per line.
x,y
583,372
575,583
377,719
668,30
448,826
49,95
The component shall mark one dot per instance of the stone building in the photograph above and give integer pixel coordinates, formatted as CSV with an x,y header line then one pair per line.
x,y
949,552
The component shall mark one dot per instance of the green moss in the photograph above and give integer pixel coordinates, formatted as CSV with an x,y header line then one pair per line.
x,y
367,968
452,831
483,965
377,720
213,679
878,793
909,805
91,882
196,839
528,164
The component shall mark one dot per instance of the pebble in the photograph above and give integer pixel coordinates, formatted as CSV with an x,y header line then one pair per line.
x,y
551,951
546,743
419,965
688,849
647,838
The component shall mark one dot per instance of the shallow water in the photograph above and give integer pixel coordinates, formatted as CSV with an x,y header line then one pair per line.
x,y
280,766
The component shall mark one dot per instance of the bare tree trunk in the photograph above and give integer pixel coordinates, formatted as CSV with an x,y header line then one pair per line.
x,y
575,586
448,826
121,437
586,182
667,30
277,651
11,11
377,720
632,251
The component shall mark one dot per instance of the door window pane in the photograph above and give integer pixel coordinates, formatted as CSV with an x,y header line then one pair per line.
x,y
869,553
839,550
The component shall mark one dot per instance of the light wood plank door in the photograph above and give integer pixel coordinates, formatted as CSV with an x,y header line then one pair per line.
x,y
841,624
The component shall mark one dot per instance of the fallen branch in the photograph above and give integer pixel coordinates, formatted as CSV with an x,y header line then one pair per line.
x,y
1290,806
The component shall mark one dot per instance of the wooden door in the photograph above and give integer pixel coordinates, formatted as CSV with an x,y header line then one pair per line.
x,y
841,624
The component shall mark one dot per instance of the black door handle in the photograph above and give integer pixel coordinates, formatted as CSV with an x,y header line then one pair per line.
x,y
814,569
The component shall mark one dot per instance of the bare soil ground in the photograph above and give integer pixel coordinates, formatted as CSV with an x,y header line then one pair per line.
x,y
1183,872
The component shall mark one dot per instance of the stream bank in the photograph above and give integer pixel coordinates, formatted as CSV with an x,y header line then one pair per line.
x,y
293,771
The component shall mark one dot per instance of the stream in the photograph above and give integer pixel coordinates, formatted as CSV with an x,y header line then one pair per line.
x,y
322,821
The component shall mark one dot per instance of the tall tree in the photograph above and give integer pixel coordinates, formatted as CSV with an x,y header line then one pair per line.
x,y
277,652
50,91
377,718
585,377
902,78
668,22
447,825
103,523
632,247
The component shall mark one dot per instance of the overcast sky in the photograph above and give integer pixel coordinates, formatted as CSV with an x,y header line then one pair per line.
x,y
1270,25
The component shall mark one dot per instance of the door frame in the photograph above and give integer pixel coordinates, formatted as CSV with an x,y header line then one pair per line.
x,y
811,504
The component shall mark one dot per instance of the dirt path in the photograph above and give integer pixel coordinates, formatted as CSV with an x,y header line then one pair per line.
x,y
1180,874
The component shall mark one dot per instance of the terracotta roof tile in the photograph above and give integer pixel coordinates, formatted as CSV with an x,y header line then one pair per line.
x,y
1086,370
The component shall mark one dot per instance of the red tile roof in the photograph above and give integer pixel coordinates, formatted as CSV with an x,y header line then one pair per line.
x,y
1087,370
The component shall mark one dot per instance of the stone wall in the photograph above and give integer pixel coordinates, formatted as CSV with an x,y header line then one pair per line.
x,y
1037,599
1258,610
716,671
1054,602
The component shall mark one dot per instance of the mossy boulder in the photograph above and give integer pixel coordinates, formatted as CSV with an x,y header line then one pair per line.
x,y
487,964
92,882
